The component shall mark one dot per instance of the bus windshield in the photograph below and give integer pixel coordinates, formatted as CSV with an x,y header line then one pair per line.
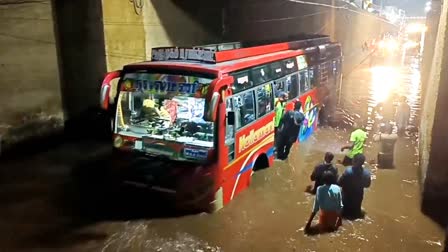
x,y
165,107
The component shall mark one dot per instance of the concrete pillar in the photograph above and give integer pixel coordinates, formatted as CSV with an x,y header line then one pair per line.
x,y
434,130
82,61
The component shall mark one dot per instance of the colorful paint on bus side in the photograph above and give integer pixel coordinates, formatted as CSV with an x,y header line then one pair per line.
x,y
253,143
256,144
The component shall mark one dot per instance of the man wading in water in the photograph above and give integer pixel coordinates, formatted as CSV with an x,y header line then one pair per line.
x,y
319,170
357,138
280,107
329,202
353,181
387,139
288,131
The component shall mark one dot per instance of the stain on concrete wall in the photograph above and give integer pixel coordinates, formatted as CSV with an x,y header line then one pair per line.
x,y
30,98
124,34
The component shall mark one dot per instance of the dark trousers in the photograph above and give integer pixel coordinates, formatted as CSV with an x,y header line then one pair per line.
x,y
386,160
284,144
347,161
352,209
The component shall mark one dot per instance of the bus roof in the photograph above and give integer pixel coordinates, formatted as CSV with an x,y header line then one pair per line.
x,y
227,57
218,68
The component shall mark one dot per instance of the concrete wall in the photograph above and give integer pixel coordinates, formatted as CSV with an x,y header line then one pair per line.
x,y
132,30
54,54
433,129
249,19
432,24
30,95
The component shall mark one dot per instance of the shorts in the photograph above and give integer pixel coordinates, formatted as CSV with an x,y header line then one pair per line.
x,y
328,220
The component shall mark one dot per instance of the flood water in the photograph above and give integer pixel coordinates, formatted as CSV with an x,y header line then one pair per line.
x,y
40,213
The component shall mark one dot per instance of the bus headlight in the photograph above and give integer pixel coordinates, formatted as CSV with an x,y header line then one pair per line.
x,y
118,141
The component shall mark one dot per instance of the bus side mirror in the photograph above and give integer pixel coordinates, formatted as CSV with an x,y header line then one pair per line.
x,y
230,118
105,88
213,109
104,96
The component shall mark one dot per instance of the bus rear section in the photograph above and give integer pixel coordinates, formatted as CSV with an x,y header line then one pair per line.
x,y
194,126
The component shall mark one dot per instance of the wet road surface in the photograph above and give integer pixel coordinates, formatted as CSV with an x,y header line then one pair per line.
x,y
41,210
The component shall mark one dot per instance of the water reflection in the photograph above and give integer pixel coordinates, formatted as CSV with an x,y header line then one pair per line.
x,y
384,82
388,83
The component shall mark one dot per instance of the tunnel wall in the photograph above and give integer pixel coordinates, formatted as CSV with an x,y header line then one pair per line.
x,y
248,19
133,28
30,97
433,141
54,54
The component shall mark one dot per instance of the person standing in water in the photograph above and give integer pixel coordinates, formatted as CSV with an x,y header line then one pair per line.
x,y
288,131
328,201
353,181
387,139
357,138
320,169
402,116
280,106
386,109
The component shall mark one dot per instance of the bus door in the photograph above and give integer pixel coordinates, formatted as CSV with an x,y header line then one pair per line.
x,y
230,131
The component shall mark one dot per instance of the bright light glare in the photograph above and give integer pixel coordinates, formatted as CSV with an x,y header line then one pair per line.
x,y
384,80
388,44
392,44
410,44
427,8
416,27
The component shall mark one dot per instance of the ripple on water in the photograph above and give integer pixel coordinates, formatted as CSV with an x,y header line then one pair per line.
x,y
140,237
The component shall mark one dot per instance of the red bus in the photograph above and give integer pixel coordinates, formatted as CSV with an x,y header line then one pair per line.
x,y
196,122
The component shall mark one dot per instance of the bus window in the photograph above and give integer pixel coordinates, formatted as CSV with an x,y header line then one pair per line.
x,y
293,81
264,100
290,66
335,68
244,109
279,86
311,77
304,82
277,70
260,74
242,81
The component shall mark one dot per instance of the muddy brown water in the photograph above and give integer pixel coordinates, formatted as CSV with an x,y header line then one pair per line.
x,y
40,213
